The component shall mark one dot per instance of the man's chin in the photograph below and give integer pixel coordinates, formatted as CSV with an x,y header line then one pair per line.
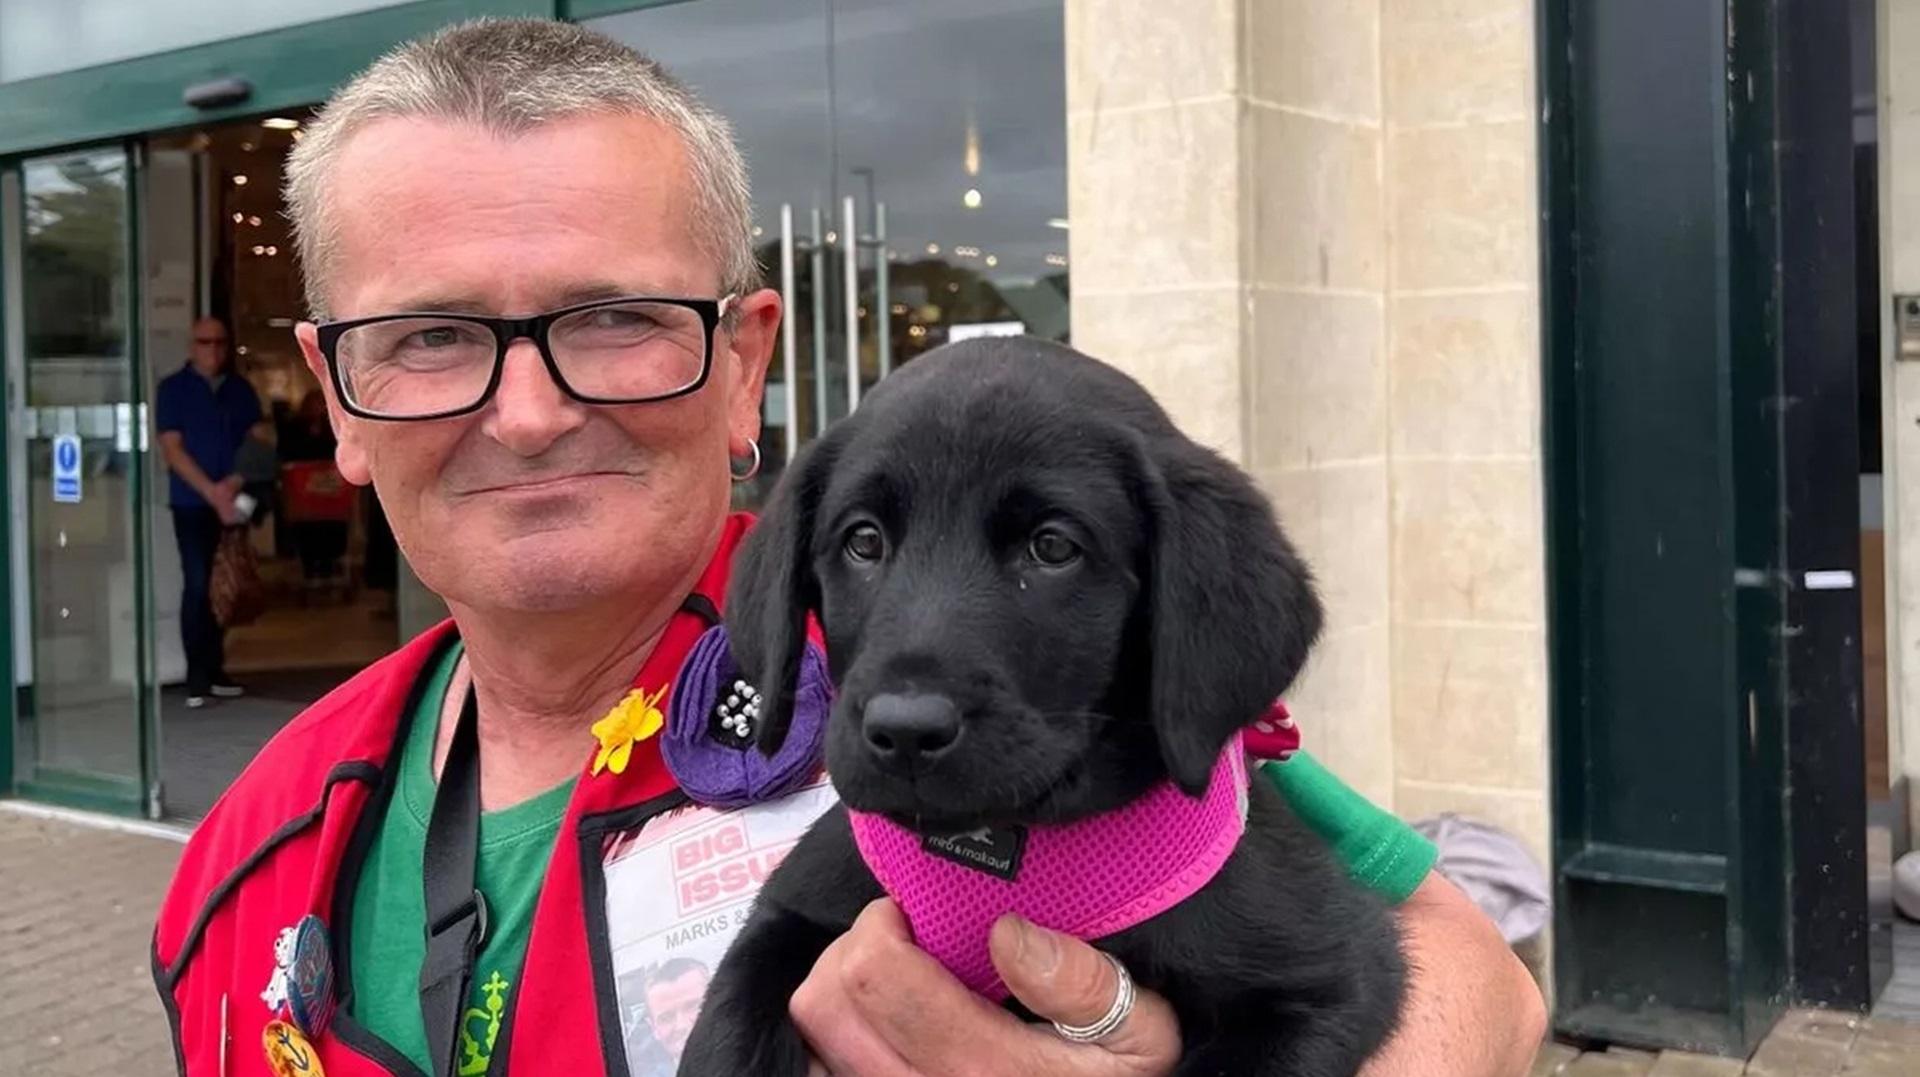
x,y
542,573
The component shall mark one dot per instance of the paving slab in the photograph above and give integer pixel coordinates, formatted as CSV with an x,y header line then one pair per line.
x,y
1788,1055
1551,1059
76,919
1595,1064
1682,1064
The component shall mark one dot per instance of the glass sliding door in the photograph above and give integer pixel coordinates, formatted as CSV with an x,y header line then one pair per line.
x,y
950,138
77,445
908,163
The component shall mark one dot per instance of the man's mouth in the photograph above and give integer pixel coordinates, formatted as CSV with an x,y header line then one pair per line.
x,y
543,484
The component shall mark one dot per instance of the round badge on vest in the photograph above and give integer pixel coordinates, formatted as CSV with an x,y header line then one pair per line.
x,y
289,1054
310,995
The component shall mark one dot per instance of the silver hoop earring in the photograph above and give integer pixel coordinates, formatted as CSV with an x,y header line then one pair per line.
x,y
753,465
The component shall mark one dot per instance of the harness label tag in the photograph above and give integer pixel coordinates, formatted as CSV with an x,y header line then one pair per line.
x,y
994,850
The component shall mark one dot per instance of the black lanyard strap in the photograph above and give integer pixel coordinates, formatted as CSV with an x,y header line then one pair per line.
x,y
456,911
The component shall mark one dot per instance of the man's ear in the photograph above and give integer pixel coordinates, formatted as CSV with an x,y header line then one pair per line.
x,y
773,589
349,455
1232,609
747,348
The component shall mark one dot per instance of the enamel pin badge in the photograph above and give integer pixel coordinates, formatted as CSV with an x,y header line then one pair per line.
x,y
300,995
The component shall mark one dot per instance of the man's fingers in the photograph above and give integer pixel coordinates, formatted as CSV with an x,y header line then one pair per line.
x,y
882,919
879,1006
841,1045
1063,979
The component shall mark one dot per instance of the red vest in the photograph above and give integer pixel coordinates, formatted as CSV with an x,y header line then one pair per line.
x,y
276,845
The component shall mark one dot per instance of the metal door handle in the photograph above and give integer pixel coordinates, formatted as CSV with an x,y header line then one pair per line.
x,y
882,293
850,246
789,336
819,259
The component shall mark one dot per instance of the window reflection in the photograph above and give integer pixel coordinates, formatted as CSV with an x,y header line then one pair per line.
x,y
949,117
75,267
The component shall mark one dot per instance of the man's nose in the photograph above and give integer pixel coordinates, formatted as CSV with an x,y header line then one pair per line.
x,y
910,730
530,411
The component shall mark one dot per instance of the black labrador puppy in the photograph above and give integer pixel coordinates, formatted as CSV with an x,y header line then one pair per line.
x,y
1040,600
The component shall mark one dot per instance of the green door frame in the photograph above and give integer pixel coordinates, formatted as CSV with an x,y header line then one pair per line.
x,y
9,695
287,68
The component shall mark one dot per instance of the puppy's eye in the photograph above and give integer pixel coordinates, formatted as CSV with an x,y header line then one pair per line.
x,y
1052,548
865,543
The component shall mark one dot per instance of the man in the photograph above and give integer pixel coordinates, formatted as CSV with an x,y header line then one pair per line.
x,y
204,413
673,995
529,254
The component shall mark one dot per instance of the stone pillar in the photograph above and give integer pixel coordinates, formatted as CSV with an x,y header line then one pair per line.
x,y
1899,39
1464,415
1309,227
1228,249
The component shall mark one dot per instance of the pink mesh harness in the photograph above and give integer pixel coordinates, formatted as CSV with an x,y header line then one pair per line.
x,y
1088,879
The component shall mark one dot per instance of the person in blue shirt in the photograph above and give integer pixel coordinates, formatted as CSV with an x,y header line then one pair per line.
x,y
204,413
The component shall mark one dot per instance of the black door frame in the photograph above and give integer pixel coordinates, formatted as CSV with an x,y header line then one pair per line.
x,y
1709,834
1833,943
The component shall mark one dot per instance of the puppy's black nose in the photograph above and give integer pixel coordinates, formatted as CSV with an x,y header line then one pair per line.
x,y
910,728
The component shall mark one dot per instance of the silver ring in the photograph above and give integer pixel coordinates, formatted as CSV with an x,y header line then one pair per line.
x,y
1116,1014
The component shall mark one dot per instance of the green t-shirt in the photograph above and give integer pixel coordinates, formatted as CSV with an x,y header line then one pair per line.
x,y
1382,852
389,908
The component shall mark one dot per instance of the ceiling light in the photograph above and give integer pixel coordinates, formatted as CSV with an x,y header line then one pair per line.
x,y
1057,222
971,198
280,123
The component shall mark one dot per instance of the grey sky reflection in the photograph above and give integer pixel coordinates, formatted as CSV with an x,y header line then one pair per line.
x,y
818,88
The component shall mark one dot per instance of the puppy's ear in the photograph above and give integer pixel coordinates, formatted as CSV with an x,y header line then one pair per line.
x,y
773,590
1233,611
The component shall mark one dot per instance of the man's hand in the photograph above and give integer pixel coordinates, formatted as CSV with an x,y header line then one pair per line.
x,y
220,500
877,1005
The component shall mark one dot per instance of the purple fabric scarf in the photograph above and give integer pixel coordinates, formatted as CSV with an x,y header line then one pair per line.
x,y
713,721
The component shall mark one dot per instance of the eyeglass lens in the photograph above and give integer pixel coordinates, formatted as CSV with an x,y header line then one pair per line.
x,y
427,365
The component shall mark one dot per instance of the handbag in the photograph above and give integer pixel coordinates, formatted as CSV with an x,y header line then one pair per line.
x,y
239,598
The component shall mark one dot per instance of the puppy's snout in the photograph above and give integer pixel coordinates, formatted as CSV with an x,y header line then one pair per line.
x,y
910,729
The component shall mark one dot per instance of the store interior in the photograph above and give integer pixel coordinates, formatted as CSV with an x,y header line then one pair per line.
x,y
327,560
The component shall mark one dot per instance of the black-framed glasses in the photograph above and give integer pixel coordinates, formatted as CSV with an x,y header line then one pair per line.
x,y
419,366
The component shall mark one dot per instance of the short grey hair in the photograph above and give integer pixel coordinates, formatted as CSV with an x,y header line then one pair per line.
x,y
509,76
